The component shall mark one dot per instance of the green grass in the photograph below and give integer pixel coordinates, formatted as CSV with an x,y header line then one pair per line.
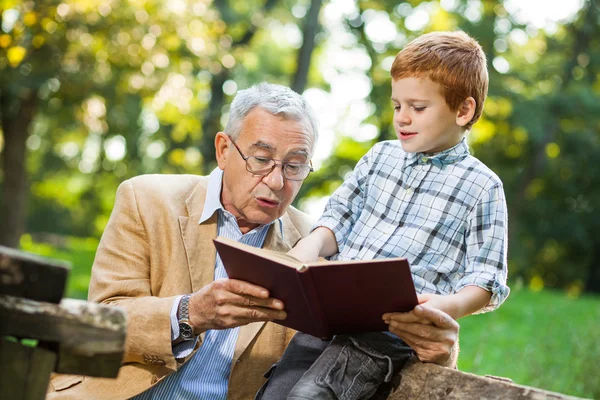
x,y
543,339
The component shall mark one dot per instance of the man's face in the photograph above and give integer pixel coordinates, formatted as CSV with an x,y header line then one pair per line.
x,y
422,119
255,200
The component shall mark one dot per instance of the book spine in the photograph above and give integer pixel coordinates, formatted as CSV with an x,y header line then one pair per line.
x,y
313,302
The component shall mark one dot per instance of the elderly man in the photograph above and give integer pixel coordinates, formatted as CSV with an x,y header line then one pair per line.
x,y
193,333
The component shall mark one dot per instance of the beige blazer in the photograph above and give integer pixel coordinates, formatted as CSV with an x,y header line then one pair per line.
x,y
152,250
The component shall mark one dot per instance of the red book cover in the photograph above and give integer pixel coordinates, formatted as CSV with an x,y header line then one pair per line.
x,y
324,298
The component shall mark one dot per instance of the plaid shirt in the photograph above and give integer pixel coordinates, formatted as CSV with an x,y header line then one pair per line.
x,y
445,213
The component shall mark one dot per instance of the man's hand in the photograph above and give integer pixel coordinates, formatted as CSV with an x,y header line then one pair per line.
x,y
430,332
228,303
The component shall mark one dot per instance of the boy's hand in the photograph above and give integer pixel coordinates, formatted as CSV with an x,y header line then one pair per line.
x,y
320,243
305,251
443,303
430,332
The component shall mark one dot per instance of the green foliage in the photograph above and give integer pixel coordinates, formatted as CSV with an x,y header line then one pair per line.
x,y
542,339
126,88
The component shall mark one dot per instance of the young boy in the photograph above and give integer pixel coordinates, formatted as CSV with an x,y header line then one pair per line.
x,y
423,198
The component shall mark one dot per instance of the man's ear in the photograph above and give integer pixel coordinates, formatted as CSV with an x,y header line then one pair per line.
x,y
222,149
465,112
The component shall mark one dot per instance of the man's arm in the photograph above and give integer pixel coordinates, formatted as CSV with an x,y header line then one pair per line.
x,y
121,276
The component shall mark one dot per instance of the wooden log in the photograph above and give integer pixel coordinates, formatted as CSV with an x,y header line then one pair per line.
x,y
420,381
24,371
30,276
89,337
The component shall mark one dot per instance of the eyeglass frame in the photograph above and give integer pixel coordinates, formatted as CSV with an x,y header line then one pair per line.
x,y
275,164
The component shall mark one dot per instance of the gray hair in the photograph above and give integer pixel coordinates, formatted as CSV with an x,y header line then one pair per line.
x,y
276,100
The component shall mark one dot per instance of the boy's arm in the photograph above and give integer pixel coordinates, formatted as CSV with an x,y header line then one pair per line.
x,y
320,243
466,301
486,243
347,203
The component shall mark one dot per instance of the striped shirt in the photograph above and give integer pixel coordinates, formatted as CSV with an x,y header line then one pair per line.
x,y
206,374
446,213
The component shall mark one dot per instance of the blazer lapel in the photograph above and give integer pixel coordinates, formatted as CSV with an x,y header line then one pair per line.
x,y
197,239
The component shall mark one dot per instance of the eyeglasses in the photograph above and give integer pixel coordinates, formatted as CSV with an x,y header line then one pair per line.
x,y
263,166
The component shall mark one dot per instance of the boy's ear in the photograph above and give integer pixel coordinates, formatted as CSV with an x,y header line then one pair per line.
x,y
221,149
465,112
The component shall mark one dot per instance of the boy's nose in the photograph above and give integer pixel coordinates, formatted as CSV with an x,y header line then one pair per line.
x,y
403,118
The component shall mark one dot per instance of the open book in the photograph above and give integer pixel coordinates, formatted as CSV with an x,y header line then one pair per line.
x,y
324,298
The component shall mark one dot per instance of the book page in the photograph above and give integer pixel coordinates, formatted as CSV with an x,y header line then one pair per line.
x,y
282,258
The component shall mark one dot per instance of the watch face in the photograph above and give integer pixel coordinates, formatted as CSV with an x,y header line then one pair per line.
x,y
186,331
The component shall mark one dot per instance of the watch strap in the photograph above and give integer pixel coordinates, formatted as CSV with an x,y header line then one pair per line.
x,y
184,303
186,331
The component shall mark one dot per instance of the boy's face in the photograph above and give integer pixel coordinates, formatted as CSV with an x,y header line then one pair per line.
x,y
422,120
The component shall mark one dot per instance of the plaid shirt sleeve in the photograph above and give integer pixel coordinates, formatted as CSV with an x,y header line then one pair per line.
x,y
347,202
486,240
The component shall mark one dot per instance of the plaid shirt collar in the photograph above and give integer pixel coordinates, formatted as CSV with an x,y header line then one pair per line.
x,y
448,156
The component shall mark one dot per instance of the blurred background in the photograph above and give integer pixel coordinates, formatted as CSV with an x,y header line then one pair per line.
x,y
95,92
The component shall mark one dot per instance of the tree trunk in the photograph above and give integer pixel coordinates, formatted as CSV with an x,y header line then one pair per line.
x,y
15,127
212,117
592,283
311,25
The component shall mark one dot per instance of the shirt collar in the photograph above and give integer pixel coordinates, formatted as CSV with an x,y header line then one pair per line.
x,y
213,198
213,195
448,156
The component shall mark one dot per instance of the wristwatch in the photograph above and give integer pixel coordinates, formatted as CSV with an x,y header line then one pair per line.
x,y
186,331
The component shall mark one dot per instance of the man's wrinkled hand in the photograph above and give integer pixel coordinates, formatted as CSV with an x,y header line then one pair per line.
x,y
430,332
228,303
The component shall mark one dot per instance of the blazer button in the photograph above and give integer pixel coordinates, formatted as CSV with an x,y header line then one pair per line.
x,y
153,360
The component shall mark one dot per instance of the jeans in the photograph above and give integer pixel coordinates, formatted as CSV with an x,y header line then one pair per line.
x,y
349,367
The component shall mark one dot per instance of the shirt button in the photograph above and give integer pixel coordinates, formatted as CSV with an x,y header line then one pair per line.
x,y
424,159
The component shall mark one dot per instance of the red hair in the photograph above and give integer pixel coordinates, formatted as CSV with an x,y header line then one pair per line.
x,y
453,60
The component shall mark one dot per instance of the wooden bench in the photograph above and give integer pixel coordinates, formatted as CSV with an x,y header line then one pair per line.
x,y
420,381
41,333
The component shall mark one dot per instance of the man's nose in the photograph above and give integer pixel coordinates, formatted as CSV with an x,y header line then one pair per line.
x,y
274,179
